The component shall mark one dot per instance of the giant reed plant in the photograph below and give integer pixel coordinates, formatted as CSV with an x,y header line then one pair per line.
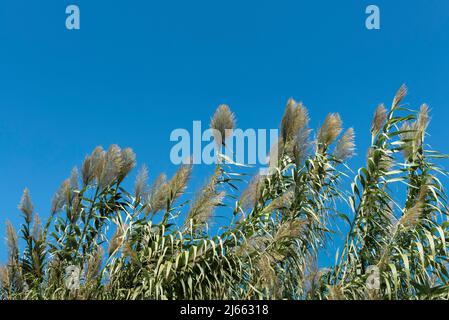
x,y
104,242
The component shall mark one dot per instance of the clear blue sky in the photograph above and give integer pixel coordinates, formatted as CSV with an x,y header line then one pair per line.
x,y
138,69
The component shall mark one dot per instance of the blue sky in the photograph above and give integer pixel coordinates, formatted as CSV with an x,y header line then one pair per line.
x,y
139,69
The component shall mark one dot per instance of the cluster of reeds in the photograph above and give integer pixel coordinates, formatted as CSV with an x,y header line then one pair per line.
x,y
104,242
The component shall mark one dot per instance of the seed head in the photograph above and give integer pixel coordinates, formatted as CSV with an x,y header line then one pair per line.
x,y
330,130
26,206
223,122
345,146
380,116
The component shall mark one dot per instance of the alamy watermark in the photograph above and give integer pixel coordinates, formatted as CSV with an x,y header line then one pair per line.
x,y
373,280
372,274
73,19
72,278
248,147
372,22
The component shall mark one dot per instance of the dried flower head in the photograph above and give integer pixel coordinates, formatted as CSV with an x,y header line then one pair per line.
x,y
251,195
345,146
380,116
156,198
206,201
37,228
74,179
274,155
281,202
141,184
267,272
178,183
4,277
223,122
128,163
116,241
112,166
302,145
330,130
12,243
87,172
290,229
26,206
413,215
295,117
402,92
98,162
336,293
410,138
287,119
423,119
61,196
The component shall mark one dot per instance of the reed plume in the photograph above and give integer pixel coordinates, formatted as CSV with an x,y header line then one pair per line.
x,y
379,119
12,244
178,183
206,201
345,146
223,122
141,184
330,130
26,206
155,199
251,195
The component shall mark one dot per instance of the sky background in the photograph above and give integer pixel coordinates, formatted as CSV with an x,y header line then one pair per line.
x,y
138,69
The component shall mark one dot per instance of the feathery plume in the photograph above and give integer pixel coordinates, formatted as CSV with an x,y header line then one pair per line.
x,y
178,183
222,122
281,202
408,137
250,196
289,229
116,241
330,130
98,162
402,92
264,265
423,119
12,243
413,215
4,277
87,171
207,199
413,134
302,145
26,206
336,293
61,196
141,184
128,163
345,146
112,166
37,228
295,119
379,118
74,179
157,196
274,155
288,119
